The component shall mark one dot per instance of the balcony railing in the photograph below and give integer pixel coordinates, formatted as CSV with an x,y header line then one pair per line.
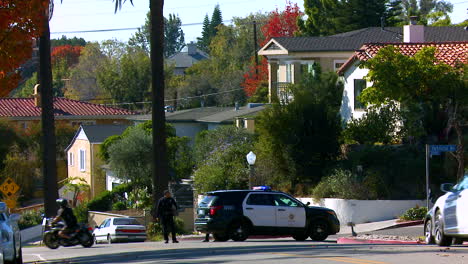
x,y
284,92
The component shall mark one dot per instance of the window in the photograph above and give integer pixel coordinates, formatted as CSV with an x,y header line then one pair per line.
x,y
463,185
71,161
103,224
283,200
107,224
260,199
337,64
125,221
82,160
307,67
359,86
288,73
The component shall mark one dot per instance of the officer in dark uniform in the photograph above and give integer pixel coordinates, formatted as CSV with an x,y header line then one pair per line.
x,y
165,212
65,213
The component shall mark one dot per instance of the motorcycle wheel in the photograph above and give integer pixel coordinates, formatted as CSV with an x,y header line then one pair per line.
x,y
87,240
51,241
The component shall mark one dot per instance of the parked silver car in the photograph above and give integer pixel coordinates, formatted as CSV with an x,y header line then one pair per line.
x,y
10,236
119,229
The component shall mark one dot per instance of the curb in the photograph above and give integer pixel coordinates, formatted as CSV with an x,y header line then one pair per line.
x,y
404,224
345,240
193,238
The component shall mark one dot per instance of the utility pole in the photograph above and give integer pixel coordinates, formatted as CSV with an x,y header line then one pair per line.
x,y
255,46
160,163
49,161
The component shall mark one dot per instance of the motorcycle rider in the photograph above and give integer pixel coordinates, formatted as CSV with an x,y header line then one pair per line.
x,y
65,213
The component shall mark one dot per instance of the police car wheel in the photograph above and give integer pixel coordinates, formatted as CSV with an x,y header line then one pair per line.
x,y
319,230
239,232
300,237
220,237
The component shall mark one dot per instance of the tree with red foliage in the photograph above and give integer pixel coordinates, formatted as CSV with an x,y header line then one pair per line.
x,y
280,24
70,54
20,23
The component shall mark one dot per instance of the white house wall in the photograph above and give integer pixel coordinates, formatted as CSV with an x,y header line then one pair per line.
x,y
347,104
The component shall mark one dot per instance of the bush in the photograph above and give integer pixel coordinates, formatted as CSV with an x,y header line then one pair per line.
x,y
119,206
102,202
30,219
154,229
414,214
81,212
345,184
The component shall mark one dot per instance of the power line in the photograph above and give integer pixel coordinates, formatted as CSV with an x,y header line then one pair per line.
x,y
122,29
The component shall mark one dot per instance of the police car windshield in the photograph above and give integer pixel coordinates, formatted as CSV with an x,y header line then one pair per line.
x,y
207,200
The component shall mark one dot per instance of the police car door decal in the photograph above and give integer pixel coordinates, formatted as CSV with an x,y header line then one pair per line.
x,y
289,213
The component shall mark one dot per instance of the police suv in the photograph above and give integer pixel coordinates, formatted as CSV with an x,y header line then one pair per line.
x,y
237,214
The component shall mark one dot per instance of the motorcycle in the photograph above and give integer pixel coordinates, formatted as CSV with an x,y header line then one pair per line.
x,y
82,235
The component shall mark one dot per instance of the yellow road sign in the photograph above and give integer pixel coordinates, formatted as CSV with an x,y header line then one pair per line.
x,y
10,203
9,187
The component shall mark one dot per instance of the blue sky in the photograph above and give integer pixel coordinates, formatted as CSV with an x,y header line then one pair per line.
x,y
81,15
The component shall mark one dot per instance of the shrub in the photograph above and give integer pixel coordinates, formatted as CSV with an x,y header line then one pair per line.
x,y
345,184
102,202
30,219
414,214
119,206
81,212
154,229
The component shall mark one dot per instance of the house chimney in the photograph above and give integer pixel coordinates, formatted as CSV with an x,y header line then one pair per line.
x,y
192,48
37,95
413,33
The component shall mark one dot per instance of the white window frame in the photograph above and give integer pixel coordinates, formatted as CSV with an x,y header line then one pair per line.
x,y
82,160
289,72
71,159
337,61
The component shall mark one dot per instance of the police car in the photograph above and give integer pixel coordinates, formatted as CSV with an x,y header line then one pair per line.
x,y
10,236
237,214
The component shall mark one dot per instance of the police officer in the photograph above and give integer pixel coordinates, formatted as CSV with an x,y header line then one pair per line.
x,y
165,212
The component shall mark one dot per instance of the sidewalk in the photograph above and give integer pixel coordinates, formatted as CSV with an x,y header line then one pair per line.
x,y
374,226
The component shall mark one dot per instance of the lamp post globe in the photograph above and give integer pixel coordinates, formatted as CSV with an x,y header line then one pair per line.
x,y
251,158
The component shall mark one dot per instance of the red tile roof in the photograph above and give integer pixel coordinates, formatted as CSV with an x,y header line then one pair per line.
x,y
24,107
450,53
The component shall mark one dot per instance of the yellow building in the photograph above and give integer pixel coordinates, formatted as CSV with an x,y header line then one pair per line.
x,y
83,155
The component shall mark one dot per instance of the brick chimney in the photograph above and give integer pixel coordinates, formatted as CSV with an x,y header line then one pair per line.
x,y
37,95
413,33
192,48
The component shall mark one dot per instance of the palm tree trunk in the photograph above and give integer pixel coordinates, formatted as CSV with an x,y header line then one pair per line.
x,y
160,164
49,162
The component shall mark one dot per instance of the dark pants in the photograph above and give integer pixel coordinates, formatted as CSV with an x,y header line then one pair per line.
x,y
168,225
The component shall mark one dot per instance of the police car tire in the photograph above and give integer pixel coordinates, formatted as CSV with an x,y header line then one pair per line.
x,y
319,230
239,236
220,237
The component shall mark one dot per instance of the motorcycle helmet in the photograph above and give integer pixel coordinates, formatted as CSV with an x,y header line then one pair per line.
x,y
62,202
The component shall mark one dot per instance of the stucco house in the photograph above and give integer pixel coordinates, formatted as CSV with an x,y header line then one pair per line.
x,y
353,75
83,155
26,112
291,57
190,122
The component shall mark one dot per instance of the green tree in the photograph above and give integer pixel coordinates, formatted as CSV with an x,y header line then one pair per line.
x,y
203,42
174,37
220,155
357,14
298,140
321,17
429,12
432,94
126,79
76,186
67,41
216,20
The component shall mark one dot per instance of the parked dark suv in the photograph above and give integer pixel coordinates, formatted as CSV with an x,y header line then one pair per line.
x,y
237,214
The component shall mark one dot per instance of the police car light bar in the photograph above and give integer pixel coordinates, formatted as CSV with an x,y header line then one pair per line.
x,y
261,188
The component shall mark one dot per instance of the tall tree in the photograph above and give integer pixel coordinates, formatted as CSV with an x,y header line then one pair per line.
x,y
19,25
203,42
216,20
321,17
174,37
429,12
357,14
68,41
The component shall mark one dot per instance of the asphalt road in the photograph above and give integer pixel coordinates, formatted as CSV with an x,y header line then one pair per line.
x,y
252,251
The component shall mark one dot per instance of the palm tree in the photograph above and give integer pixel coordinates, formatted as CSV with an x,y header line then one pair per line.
x,y
160,164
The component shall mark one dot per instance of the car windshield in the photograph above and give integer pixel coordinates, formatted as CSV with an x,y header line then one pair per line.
x,y
463,185
207,200
126,221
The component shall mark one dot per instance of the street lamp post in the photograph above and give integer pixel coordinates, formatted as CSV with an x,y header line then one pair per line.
x,y
251,158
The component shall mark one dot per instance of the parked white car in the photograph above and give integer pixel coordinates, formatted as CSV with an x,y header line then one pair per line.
x,y
447,222
10,236
118,229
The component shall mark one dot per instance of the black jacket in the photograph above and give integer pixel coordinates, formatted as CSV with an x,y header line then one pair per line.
x,y
166,207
